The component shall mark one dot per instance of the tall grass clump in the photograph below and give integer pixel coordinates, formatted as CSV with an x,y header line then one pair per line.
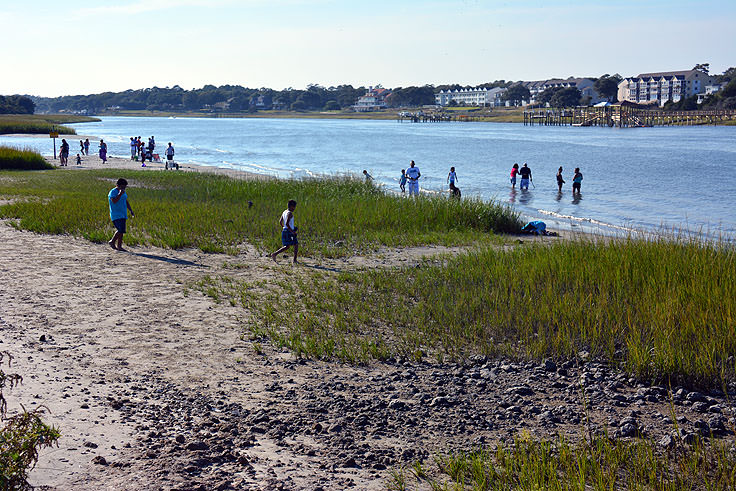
x,y
600,465
661,309
335,216
21,159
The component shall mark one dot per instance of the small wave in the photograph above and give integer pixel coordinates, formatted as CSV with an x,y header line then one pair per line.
x,y
219,150
592,221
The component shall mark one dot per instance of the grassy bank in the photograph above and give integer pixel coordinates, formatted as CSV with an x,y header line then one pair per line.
x,y
336,216
21,159
662,310
601,464
40,123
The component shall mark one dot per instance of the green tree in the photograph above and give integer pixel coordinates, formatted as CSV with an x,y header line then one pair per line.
x,y
566,97
547,94
332,105
705,67
516,94
607,86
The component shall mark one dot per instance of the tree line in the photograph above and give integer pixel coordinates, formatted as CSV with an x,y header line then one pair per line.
x,y
16,104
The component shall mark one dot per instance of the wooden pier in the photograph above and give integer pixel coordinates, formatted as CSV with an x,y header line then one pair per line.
x,y
433,117
625,116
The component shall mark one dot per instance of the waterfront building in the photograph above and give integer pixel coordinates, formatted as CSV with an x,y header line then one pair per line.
x,y
373,100
479,96
661,87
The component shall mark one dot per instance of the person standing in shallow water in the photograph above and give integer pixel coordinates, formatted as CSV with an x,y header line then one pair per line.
x,y
560,180
577,181
413,174
288,231
526,176
514,172
86,146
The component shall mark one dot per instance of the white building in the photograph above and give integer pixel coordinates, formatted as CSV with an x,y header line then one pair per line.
x,y
373,100
661,87
479,96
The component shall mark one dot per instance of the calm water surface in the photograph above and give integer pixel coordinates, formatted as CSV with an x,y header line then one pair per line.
x,y
644,178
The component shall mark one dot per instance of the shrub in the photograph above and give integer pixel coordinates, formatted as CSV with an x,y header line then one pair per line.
x,y
22,159
21,437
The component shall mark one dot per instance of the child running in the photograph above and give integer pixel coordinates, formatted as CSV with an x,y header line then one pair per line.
x,y
288,231
402,181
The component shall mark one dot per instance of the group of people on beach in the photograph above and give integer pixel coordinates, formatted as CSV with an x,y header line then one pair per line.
x,y
525,174
139,149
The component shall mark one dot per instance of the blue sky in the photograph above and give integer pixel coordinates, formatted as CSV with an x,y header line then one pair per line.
x,y
55,48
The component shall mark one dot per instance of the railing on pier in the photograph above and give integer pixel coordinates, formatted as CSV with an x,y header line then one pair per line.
x,y
433,117
625,116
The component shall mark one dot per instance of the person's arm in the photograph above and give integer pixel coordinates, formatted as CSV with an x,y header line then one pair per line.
x,y
115,199
131,209
448,177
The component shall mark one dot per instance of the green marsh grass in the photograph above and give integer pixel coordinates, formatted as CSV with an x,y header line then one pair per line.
x,y
598,465
661,309
40,123
22,159
335,216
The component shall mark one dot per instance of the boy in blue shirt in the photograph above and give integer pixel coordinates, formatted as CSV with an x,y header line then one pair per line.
x,y
119,206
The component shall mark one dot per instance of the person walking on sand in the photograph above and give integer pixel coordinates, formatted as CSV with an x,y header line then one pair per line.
x,y
79,160
103,151
86,146
133,149
402,181
288,231
119,205
413,174
577,179
514,172
560,180
170,158
81,147
526,176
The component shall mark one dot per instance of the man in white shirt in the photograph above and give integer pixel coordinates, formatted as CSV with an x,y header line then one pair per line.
x,y
413,174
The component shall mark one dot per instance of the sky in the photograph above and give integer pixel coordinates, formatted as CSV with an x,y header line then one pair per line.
x,y
52,48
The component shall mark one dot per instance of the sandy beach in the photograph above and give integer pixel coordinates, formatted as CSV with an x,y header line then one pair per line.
x,y
153,387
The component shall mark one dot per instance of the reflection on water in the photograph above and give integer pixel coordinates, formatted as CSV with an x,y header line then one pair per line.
x,y
559,196
576,198
512,196
525,197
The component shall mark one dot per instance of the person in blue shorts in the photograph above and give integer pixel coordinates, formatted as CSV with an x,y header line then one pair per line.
x,y
402,181
288,231
413,174
118,200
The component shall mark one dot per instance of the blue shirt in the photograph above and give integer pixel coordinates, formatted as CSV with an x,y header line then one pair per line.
x,y
119,209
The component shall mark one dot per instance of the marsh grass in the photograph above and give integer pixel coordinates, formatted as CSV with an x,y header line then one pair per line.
x,y
602,464
22,159
661,309
336,216
40,123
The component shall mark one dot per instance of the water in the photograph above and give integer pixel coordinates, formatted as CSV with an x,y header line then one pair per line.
x,y
643,178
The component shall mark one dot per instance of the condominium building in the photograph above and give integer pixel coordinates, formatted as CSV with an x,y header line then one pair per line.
x,y
479,96
661,87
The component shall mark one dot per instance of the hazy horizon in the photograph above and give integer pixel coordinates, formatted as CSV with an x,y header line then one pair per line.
x,y
82,47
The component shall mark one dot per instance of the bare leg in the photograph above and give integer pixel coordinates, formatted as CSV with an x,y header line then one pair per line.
x,y
296,250
275,254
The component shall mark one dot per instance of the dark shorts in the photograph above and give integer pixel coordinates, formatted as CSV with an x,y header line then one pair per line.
x,y
576,185
169,157
287,238
119,225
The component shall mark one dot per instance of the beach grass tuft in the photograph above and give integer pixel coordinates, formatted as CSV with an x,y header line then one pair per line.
x,y
40,123
602,463
22,159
